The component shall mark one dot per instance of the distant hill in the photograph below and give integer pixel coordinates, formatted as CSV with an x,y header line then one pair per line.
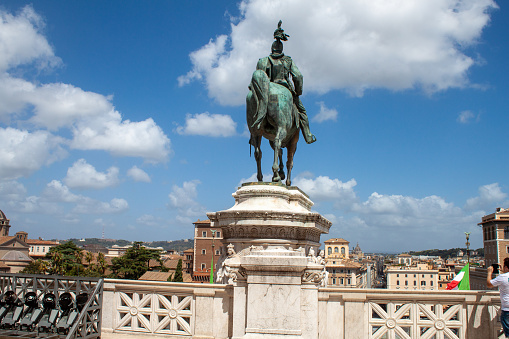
x,y
176,245
445,254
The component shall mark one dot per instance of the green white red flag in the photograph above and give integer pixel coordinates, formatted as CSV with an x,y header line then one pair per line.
x,y
461,281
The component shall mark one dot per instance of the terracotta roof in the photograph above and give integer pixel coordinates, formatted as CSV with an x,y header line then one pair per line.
x,y
202,222
336,240
404,255
189,250
156,276
41,242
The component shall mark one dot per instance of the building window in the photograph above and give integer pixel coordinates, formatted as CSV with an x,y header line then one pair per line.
x,y
423,283
397,275
329,251
415,283
397,282
336,250
349,281
203,267
217,252
431,283
218,234
406,282
333,281
204,234
343,250
203,251
43,248
506,232
37,247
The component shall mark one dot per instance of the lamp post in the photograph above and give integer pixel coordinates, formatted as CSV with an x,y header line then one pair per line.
x,y
467,234
212,260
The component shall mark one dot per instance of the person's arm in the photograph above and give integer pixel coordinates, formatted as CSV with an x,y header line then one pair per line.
x,y
488,278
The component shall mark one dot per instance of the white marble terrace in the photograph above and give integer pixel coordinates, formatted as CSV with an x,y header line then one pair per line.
x,y
141,309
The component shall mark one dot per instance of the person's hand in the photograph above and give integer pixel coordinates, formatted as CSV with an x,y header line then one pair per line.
x,y
490,269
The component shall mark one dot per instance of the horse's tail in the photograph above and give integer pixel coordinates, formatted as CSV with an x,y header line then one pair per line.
x,y
260,92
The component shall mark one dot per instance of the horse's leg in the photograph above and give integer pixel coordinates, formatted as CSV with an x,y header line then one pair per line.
x,y
290,149
256,142
281,164
281,134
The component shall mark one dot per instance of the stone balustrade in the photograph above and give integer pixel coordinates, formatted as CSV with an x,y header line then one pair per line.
x,y
174,310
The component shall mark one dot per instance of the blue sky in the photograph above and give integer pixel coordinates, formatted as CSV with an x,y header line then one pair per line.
x,y
129,116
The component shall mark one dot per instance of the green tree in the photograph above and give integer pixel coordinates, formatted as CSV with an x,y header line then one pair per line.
x,y
65,259
89,257
101,263
177,277
134,262
38,266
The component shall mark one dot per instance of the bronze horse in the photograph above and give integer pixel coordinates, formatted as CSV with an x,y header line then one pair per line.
x,y
279,123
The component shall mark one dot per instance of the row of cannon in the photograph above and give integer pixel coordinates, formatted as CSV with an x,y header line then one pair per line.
x,y
49,315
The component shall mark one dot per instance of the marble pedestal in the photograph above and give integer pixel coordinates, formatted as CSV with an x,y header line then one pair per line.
x,y
272,240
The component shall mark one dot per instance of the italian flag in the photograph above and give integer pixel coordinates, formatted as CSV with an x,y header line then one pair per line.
x,y
461,281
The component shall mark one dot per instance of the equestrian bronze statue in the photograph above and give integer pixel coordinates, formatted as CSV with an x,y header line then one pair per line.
x,y
274,109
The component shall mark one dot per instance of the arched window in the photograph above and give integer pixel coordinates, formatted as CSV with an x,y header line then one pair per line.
x,y
336,250
329,251
343,250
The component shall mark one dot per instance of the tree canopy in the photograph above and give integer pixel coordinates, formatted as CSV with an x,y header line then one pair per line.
x,y
134,262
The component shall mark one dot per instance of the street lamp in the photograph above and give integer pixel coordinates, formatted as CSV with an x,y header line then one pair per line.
x,y
467,234
212,260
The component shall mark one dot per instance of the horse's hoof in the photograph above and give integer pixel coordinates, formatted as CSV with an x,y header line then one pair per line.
x,y
288,183
276,179
282,175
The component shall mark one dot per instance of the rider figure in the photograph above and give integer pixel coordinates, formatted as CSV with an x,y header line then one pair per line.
x,y
278,68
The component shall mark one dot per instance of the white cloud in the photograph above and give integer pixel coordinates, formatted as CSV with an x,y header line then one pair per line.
x,y
143,139
137,174
206,124
83,175
57,192
490,197
184,200
466,117
91,117
24,153
325,114
21,42
348,45
324,188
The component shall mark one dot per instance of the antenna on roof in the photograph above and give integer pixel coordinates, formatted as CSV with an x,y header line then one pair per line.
x,y
103,234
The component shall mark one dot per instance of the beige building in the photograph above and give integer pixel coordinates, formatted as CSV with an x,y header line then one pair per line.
x,y
405,259
344,272
495,230
14,251
337,248
418,277
39,247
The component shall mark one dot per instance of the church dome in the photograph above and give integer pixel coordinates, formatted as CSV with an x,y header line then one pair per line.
x,y
16,256
357,249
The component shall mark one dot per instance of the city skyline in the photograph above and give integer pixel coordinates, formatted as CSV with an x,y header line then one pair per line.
x,y
130,117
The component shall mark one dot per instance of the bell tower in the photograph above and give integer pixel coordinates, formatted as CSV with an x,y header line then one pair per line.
x,y
4,225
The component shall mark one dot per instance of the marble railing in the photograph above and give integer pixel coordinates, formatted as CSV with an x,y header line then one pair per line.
x,y
380,313
162,308
142,308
